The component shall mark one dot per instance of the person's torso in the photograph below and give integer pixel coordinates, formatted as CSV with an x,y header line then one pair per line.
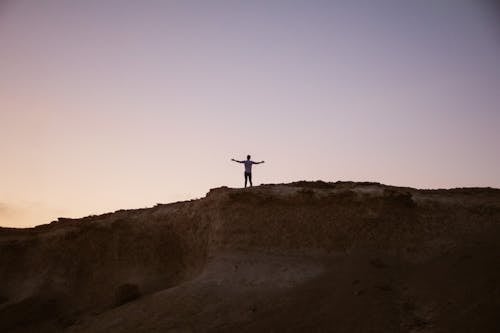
x,y
248,166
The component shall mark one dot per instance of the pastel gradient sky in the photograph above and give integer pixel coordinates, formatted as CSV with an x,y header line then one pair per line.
x,y
108,104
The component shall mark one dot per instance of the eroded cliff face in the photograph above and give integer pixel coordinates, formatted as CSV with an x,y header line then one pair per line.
x,y
293,256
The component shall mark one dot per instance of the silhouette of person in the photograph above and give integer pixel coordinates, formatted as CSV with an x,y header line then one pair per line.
x,y
248,168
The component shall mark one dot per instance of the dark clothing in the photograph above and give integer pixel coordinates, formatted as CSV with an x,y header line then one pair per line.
x,y
248,175
248,165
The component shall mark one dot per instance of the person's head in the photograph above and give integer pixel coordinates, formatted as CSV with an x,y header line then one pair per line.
x,y
248,157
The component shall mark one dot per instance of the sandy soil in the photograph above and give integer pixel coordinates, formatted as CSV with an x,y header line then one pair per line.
x,y
306,256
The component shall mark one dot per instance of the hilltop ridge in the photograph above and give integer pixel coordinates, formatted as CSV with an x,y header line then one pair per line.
x,y
298,256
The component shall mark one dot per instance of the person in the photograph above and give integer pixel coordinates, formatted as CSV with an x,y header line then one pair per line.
x,y
248,168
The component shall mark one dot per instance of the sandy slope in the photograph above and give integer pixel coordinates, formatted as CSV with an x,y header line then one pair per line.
x,y
342,257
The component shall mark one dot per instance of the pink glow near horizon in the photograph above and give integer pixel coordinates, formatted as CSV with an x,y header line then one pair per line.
x,y
122,104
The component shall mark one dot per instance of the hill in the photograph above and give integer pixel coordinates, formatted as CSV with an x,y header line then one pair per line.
x,y
305,256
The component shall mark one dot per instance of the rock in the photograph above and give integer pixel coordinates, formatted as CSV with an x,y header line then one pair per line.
x,y
125,293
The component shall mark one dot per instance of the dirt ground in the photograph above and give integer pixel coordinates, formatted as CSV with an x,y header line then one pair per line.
x,y
305,256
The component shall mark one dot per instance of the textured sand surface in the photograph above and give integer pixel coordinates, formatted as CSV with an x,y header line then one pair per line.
x,y
306,256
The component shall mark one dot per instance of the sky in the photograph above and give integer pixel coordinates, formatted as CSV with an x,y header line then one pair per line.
x,y
108,105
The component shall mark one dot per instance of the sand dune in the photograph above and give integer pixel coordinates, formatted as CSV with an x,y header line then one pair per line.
x,y
305,256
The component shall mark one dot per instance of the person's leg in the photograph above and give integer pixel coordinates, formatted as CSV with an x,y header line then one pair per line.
x,y
246,176
250,179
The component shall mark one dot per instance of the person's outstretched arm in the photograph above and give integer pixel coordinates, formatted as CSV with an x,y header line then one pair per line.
x,y
237,161
258,162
